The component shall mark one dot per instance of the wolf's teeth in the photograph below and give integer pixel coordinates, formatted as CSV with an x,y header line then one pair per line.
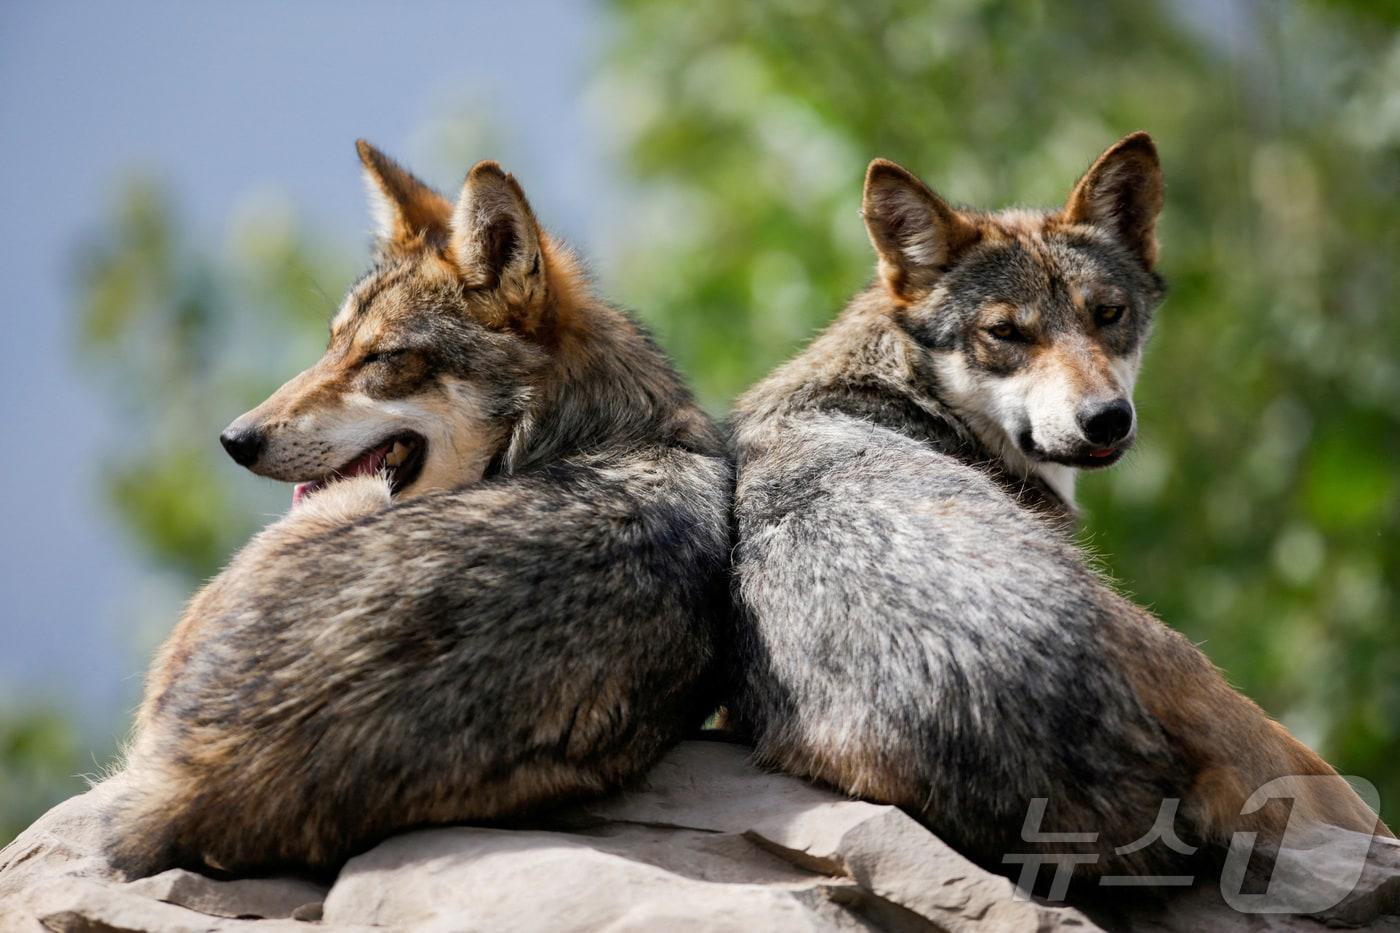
x,y
397,455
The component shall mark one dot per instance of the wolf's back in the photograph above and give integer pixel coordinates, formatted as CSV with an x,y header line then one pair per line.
x,y
911,636
455,657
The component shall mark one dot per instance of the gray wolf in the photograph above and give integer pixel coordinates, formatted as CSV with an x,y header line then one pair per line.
x,y
498,587
917,626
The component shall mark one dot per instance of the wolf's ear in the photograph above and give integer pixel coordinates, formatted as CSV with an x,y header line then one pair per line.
x,y
914,231
496,243
407,213
1122,193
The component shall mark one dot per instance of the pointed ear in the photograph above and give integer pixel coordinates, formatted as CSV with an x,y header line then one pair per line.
x,y
496,241
914,231
407,213
1122,193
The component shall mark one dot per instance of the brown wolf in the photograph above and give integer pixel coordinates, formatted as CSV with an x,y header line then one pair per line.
x,y
918,629
498,586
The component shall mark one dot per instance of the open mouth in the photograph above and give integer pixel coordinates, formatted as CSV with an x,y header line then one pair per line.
x,y
399,457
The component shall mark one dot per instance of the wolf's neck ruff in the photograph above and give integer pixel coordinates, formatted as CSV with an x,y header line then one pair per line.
x,y
607,387
929,421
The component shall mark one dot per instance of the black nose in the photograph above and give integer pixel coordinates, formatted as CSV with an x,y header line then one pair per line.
x,y
1106,424
243,445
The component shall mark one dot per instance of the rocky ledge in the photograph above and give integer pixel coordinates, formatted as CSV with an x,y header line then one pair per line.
x,y
707,842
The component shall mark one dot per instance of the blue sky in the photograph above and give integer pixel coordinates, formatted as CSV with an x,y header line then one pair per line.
x,y
219,102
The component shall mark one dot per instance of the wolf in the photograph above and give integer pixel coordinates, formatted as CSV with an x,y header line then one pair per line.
x,y
917,626
500,583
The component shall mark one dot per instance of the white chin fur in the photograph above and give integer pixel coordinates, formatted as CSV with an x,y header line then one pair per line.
x,y
1059,478
988,404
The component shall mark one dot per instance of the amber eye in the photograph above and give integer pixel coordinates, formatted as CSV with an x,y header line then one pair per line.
x,y
1108,314
1005,331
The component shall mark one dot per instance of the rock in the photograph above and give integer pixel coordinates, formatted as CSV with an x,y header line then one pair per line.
x,y
58,853
1377,890
82,905
889,855
621,878
53,878
706,842
254,898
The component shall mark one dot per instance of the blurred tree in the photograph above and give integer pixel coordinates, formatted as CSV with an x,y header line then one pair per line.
x,y
1260,512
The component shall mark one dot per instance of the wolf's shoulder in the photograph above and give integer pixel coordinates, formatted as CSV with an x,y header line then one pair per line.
x,y
845,453
844,483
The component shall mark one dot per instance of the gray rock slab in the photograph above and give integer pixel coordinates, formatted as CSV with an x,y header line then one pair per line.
x,y
707,842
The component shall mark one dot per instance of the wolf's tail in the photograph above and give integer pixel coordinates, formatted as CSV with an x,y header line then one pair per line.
x,y
144,825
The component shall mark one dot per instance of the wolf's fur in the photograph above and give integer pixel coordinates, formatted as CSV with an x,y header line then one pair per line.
x,y
531,619
918,628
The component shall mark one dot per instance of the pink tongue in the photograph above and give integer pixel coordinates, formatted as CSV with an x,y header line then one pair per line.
x,y
368,463
1103,452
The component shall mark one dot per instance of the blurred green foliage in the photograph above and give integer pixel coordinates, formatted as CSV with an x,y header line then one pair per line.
x,y
1260,512
38,765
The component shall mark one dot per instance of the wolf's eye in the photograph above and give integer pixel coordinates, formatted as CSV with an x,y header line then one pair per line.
x,y
1108,314
379,356
1005,331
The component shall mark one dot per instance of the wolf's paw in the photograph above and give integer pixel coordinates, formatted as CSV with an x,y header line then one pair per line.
x,y
343,500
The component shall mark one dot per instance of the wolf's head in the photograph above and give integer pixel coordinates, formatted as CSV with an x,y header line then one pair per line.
x,y
1030,325
433,353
